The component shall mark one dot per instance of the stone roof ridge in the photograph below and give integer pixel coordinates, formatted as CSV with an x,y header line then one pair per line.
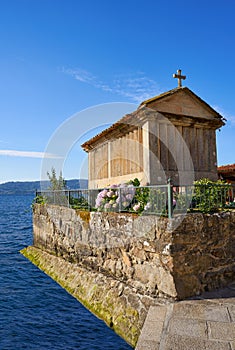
x,y
136,117
164,94
186,90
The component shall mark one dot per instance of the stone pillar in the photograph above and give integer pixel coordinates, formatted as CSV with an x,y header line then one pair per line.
x,y
146,160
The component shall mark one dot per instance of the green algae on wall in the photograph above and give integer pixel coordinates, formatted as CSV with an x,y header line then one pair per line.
x,y
98,293
118,264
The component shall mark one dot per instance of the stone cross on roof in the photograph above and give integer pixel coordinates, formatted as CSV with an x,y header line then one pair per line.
x,y
179,77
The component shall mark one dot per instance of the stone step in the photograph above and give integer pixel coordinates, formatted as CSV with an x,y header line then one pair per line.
x,y
205,323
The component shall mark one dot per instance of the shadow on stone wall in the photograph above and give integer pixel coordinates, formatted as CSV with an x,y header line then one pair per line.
x,y
119,264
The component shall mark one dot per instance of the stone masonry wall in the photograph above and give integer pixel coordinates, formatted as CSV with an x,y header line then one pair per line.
x,y
118,265
155,256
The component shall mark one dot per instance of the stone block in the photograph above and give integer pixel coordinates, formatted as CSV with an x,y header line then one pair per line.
x,y
184,327
143,272
201,312
221,330
156,313
179,342
138,254
147,345
147,225
166,283
126,259
152,331
231,310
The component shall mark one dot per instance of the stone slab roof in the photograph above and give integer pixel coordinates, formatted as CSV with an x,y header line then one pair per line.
x,y
186,90
137,118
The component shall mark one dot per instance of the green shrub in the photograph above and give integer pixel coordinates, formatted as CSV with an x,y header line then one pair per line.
x,y
39,200
79,203
209,196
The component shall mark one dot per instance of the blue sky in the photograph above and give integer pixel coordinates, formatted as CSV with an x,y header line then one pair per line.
x,y
59,57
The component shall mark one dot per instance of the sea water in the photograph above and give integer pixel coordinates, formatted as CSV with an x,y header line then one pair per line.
x,y
35,312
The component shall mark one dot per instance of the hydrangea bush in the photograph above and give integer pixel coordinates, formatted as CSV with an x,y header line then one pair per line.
x,y
132,198
116,197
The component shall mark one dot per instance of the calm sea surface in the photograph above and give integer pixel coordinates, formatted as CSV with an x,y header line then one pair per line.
x,y
35,312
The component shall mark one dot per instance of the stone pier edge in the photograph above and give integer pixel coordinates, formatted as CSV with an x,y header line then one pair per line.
x,y
120,307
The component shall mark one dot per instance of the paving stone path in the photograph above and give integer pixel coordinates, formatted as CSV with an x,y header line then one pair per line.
x,y
203,323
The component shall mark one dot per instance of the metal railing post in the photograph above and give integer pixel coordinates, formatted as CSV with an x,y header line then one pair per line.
x,y
170,198
120,201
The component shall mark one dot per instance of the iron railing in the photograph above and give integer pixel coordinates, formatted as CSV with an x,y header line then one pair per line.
x,y
203,197
159,200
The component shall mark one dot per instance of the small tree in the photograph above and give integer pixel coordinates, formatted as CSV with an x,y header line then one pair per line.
x,y
56,184
58,187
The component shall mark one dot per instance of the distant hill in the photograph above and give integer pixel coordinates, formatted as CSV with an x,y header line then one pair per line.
x,y
28,187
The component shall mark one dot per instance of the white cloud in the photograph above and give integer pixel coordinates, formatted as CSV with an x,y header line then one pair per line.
x,y
81,75
138,87
219,109
230,118
2,141
28,154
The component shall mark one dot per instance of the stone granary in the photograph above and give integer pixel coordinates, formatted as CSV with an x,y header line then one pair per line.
x,y
172,135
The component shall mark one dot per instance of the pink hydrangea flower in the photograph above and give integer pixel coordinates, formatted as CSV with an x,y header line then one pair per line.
x,y
136,207
107,206
147,206
110,194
